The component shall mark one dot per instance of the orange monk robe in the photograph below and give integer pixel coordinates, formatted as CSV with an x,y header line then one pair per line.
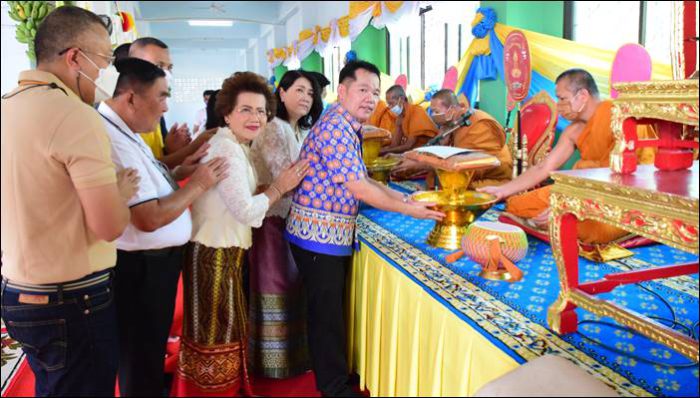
x,y
416,122
595,144
487,135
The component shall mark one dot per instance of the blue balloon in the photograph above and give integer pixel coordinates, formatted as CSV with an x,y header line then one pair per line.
x,y
350,56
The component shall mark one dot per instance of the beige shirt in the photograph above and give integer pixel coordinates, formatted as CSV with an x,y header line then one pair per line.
x,y
52,145
225,215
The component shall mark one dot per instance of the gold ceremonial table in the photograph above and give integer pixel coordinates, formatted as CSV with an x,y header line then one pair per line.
x,y
659,205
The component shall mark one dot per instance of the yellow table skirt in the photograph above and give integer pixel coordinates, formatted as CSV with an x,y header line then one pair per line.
x,y
404,342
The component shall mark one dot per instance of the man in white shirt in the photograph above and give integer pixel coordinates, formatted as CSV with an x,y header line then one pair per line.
x,y
200,119
150,251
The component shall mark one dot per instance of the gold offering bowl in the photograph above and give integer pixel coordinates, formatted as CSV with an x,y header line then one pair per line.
x,y
380,169
370,149
461,206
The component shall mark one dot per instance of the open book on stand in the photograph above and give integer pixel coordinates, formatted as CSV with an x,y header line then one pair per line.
x,y
451,158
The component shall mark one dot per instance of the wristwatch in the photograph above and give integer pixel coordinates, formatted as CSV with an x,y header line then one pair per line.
x,y
406,198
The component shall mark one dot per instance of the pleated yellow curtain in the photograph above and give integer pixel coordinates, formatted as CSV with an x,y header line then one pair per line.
x,y
404,342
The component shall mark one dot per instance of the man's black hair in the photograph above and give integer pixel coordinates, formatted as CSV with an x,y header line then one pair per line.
x,y
136,74
148,41
348,71
62,29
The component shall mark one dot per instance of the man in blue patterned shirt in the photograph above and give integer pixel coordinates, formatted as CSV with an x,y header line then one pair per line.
x,y
321,223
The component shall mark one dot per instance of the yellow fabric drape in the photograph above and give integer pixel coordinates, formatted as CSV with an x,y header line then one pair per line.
x,y
358,7
552,55
344,26
305,34
326,34
404,342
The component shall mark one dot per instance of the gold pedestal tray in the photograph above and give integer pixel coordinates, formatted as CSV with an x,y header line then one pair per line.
x,y
461,208
500,275
380,168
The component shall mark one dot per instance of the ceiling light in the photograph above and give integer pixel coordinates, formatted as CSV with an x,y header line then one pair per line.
x,y
208,22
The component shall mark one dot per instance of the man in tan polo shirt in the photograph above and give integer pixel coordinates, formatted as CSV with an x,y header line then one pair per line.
x,y
62,203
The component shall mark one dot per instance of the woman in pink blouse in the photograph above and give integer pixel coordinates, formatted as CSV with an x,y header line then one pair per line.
x,y
278,342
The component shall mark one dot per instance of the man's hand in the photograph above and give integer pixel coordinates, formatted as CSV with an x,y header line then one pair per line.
x,y
178,137
190,164
205,136
498,191
406,166
210,173
128,183
424,210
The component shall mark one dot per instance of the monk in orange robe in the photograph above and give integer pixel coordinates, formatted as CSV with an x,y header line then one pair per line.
x,y
590,132
483,134
409,124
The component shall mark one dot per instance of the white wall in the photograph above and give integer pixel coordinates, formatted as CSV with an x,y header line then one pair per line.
x,y
196,71
14,58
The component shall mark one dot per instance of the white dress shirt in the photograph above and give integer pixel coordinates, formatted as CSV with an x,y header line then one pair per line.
x,y
130,151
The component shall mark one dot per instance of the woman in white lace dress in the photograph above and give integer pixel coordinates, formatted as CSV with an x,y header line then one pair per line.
x,y
278,346
213,355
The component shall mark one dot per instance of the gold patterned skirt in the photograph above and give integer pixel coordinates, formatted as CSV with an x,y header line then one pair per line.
x,y
213,353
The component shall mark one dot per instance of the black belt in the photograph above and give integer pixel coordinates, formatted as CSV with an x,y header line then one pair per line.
x,y
88,281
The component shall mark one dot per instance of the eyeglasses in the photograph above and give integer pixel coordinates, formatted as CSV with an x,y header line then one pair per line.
x,y
164,66
249,112
109,58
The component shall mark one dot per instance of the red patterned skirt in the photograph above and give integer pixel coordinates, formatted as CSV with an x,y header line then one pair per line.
x,y
213,354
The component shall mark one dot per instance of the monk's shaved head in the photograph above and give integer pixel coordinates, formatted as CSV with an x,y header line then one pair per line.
x,y
396,91
447,97
578,79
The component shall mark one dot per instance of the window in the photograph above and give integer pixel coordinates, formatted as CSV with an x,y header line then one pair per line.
x,y
334,61
404,56
448,24
658,26
426,53
654,33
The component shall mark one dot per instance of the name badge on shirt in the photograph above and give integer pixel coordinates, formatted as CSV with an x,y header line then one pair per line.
x,y
166,173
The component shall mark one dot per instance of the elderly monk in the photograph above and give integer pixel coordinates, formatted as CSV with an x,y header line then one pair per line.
x,y
484,134
409,124
590,132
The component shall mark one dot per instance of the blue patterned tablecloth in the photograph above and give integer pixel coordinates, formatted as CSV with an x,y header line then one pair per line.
x,y
513,315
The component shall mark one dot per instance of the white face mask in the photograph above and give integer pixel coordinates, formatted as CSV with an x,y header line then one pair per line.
x,y
397,109
105,83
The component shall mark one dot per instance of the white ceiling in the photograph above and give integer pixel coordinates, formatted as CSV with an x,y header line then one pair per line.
x,y
168,21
